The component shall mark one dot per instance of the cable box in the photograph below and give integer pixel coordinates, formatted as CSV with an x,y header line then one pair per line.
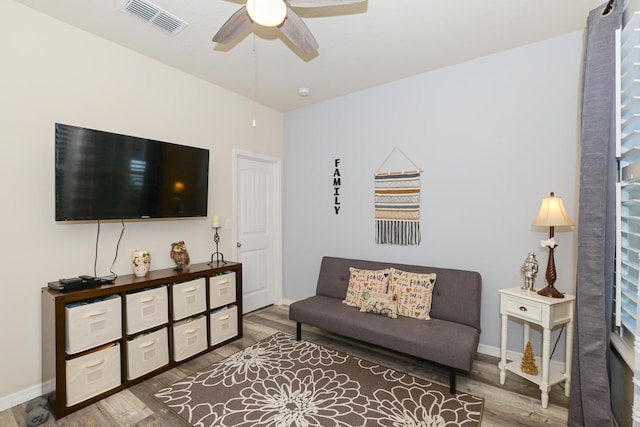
x,y
76,283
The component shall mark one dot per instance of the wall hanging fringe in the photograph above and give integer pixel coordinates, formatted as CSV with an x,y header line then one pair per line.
x,y
397,205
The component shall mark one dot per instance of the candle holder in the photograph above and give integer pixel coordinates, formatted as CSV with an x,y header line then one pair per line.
x,y
217,253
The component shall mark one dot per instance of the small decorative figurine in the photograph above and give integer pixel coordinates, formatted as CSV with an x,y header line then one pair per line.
x,y
179,255
528,363
530,270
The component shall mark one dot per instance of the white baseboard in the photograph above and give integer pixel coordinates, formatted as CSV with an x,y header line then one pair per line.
x,y
513,355
489,350
20,397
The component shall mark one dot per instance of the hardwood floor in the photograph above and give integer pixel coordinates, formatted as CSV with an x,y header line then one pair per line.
x,y
517,403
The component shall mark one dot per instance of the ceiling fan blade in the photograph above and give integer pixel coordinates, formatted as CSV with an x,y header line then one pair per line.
x,y
233,27
321,3
298,33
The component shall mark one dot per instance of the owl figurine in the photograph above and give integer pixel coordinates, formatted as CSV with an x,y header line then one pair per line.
x,y
179,255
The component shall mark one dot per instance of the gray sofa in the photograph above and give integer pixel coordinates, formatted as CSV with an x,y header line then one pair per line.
x,y
449,338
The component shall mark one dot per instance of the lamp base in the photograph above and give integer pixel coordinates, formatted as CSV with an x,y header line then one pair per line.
x,y
551,292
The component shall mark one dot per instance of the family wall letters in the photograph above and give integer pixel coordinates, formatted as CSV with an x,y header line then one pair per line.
x,y
336,186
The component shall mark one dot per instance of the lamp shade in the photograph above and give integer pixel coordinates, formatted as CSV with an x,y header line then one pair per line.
x,y
552,213
269,13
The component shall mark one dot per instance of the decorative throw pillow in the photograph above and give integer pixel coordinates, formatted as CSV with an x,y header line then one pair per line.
x,y
365,280
379,303
414,291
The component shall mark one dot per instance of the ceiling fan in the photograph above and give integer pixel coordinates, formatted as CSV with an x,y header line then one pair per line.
x,y
276,13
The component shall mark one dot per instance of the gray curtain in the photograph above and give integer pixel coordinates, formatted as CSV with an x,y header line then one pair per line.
x,y
590,402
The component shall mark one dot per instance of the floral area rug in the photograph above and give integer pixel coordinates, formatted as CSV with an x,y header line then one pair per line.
x,y
283,382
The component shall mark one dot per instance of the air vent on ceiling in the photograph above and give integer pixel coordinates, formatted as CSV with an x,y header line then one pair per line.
x,y
154,15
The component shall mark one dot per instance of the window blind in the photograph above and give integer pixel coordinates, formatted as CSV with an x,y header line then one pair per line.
x,y
628,194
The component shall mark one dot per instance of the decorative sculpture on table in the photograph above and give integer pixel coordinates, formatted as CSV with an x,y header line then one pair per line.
x,y
216,238
530,270
179,255
141,261
528,363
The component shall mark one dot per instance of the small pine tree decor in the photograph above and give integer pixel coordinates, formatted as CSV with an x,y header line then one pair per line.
x,y
528,364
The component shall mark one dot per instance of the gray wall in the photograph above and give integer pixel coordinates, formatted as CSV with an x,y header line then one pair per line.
x,y
494,136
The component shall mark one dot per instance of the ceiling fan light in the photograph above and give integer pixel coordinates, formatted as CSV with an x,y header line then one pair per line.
x,y
269,13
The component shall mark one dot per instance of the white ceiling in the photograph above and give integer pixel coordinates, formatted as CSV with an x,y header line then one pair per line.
x,y
361,45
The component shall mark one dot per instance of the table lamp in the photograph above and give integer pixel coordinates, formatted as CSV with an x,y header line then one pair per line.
x,y
552,214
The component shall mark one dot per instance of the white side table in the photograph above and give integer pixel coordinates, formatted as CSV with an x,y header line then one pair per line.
x,y
548,313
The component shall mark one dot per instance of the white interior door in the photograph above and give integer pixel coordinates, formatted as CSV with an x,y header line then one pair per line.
x,y
258,234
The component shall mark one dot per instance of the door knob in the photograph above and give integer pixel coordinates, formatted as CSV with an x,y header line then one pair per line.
x,y
239,244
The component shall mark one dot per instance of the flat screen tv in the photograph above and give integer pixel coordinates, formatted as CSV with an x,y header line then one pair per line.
x,y
108,176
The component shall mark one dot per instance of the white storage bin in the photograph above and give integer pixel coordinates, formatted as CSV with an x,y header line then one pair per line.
x,y
147,309
92,374
222,289
189,337
189,298
147,353
224,324
92,324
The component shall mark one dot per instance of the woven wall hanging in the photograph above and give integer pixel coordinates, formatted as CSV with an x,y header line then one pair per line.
x,y
397,204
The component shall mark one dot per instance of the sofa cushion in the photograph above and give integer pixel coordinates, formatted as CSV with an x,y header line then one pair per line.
x,y
384,304
414,291
361,280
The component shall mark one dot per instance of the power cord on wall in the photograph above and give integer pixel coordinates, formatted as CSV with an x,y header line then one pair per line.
x,y
554,349
95,258
113,275
557,340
